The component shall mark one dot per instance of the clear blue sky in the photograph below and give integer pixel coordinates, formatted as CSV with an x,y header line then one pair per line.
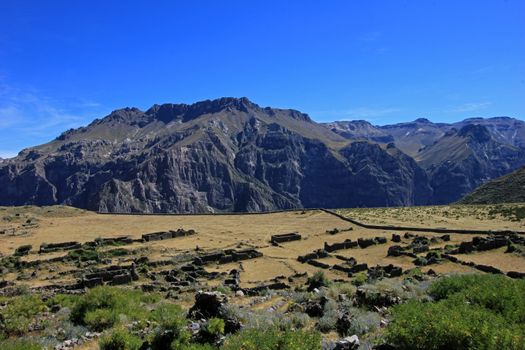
x,y
64,63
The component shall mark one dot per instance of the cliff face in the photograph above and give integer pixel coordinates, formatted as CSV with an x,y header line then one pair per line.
x,y
222,155
230,154
457,157
464,159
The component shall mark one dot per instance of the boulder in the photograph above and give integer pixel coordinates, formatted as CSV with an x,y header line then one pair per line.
x,y
365,242
207,305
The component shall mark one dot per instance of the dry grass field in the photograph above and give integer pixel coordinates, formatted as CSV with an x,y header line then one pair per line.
x,y
482,217
273,283
32,225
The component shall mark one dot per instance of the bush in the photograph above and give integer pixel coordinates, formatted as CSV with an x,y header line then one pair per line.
x,y
119,339
359,279
443,326
84,255
19,344
117,252
317,280
215,326
273,339
102,307
471,312
172,332
16,317
499,294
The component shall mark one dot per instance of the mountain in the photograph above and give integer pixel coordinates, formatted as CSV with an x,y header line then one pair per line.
x,y
457,157
463,159
413,136
506,189
227,154
359,130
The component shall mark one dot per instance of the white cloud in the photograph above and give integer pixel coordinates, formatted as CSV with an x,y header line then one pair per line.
x,y
29,117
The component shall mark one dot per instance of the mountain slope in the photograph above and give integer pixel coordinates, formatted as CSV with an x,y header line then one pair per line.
x,y
222,155
462,160
359,130
506,189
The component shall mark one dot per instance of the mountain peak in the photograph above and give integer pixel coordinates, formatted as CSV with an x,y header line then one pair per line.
x,y
476,132
422,120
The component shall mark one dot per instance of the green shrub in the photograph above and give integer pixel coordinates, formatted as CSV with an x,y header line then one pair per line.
x,y
317,280
64,300
102,307
497,293
215,326
169,316
100,319
197,347
273,339
444,326
359,279
117,252
471,312
120,339
16,317
19,344
83,254
172,332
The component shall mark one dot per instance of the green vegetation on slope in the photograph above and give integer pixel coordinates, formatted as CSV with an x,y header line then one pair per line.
x,y
506,189
470,312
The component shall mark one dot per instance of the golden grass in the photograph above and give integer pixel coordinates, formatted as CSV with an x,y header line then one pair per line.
x,y
59,224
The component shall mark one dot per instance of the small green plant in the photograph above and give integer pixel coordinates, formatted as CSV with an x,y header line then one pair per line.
x,y
470,312
119,339
84,255
359,279
272,339
19,344
215,326
317,280
16,317
102,307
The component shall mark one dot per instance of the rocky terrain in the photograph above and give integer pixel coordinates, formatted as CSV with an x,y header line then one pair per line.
x,y
230,154
457,157
506,189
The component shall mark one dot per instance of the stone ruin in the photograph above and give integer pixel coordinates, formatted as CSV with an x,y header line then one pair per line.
x,y
285,237
261,288
318,254
54,247
367,242
112,275
384,271
347,244
227,256
101,241
159,236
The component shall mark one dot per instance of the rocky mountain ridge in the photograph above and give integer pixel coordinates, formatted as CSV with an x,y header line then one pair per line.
x,y
230,154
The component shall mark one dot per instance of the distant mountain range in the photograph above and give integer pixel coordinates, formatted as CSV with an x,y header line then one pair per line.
x,y
230,154
506,189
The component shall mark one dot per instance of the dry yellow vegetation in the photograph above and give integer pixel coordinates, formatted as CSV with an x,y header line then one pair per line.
x,y
32,225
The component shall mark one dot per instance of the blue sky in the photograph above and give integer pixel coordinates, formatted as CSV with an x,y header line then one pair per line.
x,y
64,63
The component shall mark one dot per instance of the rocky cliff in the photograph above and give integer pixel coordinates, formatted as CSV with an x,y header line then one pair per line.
x,y
212,156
